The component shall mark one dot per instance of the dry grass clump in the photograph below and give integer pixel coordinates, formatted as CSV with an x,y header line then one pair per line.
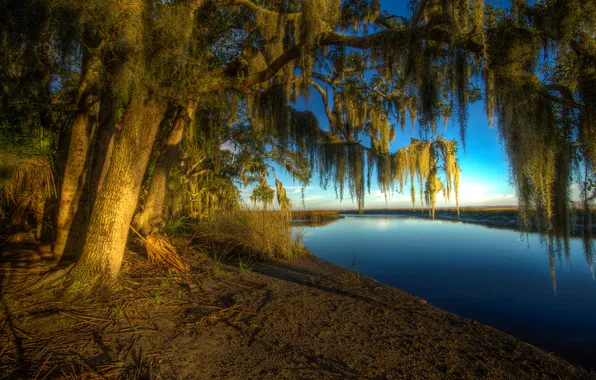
x,y
264,235
160,250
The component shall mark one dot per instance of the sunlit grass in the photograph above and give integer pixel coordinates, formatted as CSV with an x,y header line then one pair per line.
x,y
246,265
263,235
220,254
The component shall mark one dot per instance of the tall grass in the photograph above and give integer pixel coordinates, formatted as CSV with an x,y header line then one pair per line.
x,y
264,235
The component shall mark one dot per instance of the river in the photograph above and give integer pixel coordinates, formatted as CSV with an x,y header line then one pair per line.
x,y
497,277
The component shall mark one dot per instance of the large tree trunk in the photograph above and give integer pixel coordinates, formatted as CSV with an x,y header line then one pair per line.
x,y
80,154
116,200
99,154
104,144
151,216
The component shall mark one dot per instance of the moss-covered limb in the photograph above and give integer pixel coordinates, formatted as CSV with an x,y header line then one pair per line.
x,y
332,118
366,42
418,13
425,33
216,78
290,16
331,81
391,95
566,97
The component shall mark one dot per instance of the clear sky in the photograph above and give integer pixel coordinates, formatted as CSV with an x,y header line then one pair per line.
x,y
485,170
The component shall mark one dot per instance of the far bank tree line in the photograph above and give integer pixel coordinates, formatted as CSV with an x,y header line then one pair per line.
x,y
113,113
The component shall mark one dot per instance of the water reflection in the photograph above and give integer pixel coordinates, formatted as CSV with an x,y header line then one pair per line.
x,y
589,253
496,276
556,245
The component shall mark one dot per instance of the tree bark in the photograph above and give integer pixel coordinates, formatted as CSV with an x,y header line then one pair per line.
x,y
79,154
103,251
152,215
104,144
99,154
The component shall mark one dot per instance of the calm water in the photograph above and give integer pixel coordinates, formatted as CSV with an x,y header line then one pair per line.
x,y
486,274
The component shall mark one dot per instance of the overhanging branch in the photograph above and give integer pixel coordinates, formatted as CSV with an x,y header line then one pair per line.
x,y
357,42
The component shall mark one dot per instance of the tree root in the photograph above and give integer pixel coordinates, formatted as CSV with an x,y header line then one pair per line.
x,y
50,281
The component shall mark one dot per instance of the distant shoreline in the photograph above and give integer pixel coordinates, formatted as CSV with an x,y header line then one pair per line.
x,y
505,217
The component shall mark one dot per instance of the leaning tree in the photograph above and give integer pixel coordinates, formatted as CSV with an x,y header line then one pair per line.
x,y
137,91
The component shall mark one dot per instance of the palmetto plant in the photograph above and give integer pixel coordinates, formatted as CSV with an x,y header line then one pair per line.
x,y
29,185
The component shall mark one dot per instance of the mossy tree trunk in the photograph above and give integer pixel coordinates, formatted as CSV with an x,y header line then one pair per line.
x,y
103,251
151,217
80,152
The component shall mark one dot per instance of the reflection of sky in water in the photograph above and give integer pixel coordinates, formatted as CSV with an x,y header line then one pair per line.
x,y
383,224
486,274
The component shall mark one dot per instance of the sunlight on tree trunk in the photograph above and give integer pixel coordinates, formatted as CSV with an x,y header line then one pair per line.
x,y
80,154
104,247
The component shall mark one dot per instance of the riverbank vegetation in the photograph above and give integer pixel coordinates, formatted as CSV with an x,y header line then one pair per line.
x,y
316,216
262,235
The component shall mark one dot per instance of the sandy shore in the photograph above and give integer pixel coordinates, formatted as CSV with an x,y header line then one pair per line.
x,y
305,319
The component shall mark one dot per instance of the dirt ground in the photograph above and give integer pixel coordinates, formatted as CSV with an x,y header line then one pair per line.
x,y
304,319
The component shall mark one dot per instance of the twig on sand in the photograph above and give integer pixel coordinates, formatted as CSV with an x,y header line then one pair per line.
x,y
44,364
261,314
87,366
86,318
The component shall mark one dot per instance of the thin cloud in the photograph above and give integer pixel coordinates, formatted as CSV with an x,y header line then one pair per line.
x,y
297,189
313,197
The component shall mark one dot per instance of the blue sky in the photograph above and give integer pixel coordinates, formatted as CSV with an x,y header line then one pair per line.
x,y
485,171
